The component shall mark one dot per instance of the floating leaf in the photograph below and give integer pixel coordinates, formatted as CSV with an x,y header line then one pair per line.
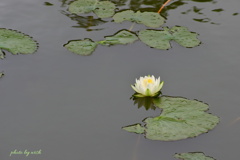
x,y
121,37
160,39
16,42
82,47
82,6
150,19
105,9
102,9
136,128
87,46
184,37
180,119
193,156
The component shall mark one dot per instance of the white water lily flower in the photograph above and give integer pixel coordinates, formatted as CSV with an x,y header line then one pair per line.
x,y
147,86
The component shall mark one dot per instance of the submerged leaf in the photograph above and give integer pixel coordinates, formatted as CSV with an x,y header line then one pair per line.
x,y
150,19
16,42
193,156
103,9
121,37
180,119
160,39
136,128
82,47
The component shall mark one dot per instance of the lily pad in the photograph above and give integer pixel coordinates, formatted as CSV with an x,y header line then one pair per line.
x,y
103,9
150,19
82,47
193,156
87,46
180,119
121,37
160,39
82,6
16,42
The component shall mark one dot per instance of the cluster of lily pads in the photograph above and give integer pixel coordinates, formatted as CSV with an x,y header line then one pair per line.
x,y
159,39
180,118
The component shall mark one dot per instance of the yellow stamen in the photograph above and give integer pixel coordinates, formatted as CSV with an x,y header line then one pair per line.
x,y
149,81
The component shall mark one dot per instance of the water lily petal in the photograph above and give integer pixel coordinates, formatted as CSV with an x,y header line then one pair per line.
x,y
161,85
135,89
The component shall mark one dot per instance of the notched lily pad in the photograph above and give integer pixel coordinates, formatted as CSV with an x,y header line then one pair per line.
x,y
193,156
103,9
180,119
160,39
150,19
121,37
82,47
16,42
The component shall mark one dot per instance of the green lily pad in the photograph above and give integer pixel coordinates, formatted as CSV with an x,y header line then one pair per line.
x,y
193,156
121,37
81,47
16,42
103,9
150,19
87,46
160,39
180,119
82,6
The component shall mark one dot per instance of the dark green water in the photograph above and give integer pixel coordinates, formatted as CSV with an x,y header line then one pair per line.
x,y
73,107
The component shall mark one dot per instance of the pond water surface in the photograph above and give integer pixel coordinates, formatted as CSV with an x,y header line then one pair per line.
x,y
73,107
